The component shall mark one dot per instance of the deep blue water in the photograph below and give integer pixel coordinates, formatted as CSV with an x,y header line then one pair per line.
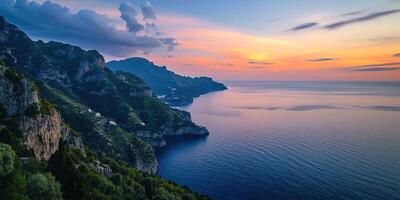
x,y
292,140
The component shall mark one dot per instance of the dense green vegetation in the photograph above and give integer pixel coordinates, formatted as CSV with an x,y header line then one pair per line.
x,y
74,169
43,186
12,75
44,107
72,174
7,158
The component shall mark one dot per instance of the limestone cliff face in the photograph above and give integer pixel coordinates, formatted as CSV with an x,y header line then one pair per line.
x,y
42,132
148,167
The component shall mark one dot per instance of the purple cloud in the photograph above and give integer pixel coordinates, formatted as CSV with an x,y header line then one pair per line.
x,y
148,11
304,26
369,17
128,14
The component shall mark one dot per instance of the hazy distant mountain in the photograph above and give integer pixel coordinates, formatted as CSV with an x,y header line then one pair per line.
x,y
172,88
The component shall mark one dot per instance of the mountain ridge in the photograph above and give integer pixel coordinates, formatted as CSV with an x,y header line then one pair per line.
x,y
58,142
170,87
83,88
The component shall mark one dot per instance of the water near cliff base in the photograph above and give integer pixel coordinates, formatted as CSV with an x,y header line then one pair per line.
x,y
292,140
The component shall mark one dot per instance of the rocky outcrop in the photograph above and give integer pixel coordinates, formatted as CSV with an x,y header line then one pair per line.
x,y
154,139
102,168
42,132
71,138
149,167
188,128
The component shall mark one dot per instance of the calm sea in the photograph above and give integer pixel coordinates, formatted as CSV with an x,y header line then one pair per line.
x,y
292,140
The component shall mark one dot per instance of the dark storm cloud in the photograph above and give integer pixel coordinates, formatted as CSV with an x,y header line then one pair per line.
x,y
86,28
368,17
304,26
321,59
396,55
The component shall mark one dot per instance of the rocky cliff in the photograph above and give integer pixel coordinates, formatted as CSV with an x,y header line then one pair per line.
x,y
18,96
32,127
115,113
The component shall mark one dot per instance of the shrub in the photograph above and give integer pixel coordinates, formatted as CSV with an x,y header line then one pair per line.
x,y
13,76
43,187
7,159
33,110
46,108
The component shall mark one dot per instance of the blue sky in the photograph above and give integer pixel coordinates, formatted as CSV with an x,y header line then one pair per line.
x,y
254,16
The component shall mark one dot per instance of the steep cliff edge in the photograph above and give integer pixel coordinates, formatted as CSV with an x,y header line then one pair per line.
x,y
116,114
41,125
39,152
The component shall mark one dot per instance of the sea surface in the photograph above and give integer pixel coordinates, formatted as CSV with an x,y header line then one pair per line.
x,y
292,140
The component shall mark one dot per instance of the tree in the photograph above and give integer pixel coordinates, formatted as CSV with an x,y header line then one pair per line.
x,y
7,159
74,184
162,194
43,187
13,186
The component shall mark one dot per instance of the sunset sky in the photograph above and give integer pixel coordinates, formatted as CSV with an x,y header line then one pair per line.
x,y
229,39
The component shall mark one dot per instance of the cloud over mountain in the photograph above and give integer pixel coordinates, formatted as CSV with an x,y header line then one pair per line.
x,y
87,28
